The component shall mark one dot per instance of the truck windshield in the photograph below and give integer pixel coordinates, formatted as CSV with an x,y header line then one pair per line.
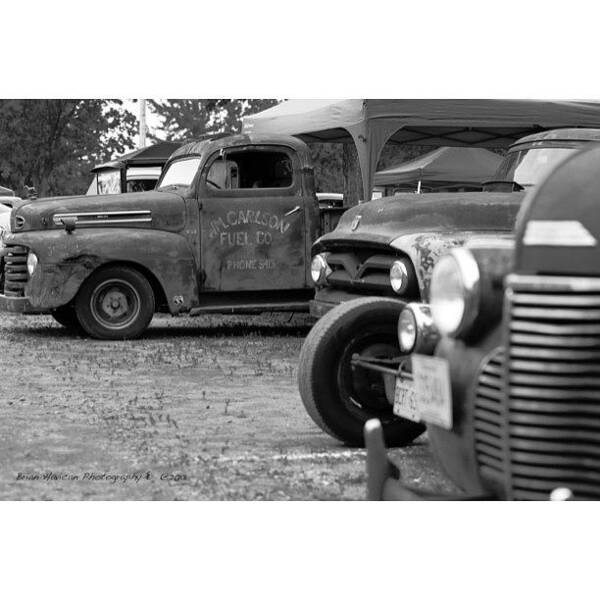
x,y
528,167
180,173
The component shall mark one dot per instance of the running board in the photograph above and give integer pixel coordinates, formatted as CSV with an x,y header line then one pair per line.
x,y
251,308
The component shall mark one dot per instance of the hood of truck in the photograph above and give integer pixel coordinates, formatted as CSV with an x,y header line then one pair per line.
x,y
154,210
385,220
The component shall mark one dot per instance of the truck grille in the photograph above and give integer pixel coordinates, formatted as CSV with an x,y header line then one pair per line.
x,y
362,272
14,271
488,416
553,412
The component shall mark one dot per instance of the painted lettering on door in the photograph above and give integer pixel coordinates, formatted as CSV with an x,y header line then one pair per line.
x,y
238,228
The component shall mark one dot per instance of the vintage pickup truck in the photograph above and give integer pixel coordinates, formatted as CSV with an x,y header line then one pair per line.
x,y
228,229
353,367
518,364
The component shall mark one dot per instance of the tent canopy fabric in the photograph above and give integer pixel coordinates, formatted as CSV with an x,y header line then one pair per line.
x,y
370,124
447,164
155,155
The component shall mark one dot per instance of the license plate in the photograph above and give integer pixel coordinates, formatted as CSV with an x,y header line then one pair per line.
x,y
431,377
405,404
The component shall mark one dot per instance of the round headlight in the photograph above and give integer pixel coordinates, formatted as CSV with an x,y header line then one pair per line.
x,y
407,330
319,269
398,276
455,292
32,262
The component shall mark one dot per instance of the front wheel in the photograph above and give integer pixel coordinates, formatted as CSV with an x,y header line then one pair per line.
x,y
341,398
115,303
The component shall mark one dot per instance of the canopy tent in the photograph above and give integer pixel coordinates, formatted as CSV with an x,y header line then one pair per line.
x,y
447,165
370,124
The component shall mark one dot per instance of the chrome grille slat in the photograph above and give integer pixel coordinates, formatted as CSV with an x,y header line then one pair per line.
x,y
528,339
554,353
541,299
552,418
554,329
534,366
557,313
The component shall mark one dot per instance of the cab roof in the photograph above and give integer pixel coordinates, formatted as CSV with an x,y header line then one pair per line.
x,y
216,142
568,134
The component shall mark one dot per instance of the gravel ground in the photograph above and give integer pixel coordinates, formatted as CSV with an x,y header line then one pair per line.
x,y
200,409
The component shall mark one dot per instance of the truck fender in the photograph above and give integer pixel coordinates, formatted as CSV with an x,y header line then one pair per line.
x,y
426,248
67,260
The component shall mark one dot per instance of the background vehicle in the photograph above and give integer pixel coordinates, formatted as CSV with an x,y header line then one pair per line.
x,y
379,258
228,229
137,171
522,347
445,169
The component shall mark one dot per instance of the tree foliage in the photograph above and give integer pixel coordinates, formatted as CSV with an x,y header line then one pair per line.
x,y
52,144
191,119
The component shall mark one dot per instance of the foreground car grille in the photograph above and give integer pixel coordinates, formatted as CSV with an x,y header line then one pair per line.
x,y
14,271
553,404
488,417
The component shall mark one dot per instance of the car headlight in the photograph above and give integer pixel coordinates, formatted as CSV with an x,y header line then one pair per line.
x,y
398,277
407,330
416,329
319,269
32,262
455,292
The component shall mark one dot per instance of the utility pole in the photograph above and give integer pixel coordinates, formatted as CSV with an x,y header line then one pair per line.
x,y
142,142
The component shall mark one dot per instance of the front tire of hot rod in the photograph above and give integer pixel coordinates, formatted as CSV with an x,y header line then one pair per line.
x,y
338,398
115,303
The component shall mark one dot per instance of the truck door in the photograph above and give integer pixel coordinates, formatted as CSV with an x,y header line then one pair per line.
x,y
252,220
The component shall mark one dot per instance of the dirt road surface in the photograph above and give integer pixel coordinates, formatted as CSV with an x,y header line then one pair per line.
x,y
200,409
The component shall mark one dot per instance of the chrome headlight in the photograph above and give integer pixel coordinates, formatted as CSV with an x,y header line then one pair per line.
x,y
416,329
32,262
407,330
455,292
319,269
399,277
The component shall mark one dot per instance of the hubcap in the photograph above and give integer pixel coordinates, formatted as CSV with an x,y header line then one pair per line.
x,y
115,303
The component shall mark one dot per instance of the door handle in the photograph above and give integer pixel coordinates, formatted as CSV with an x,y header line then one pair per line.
x,y
294,210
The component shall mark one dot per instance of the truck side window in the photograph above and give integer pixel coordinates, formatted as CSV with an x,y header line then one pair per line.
x,y
247,169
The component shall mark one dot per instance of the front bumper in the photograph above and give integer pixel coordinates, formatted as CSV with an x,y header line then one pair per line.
x,y
328,298
17,305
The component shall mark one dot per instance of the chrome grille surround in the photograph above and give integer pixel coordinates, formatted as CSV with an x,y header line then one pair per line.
x,y
552,427
14,268
361,271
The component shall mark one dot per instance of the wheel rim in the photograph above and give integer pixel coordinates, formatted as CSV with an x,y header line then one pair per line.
x,y
115,304
362,392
